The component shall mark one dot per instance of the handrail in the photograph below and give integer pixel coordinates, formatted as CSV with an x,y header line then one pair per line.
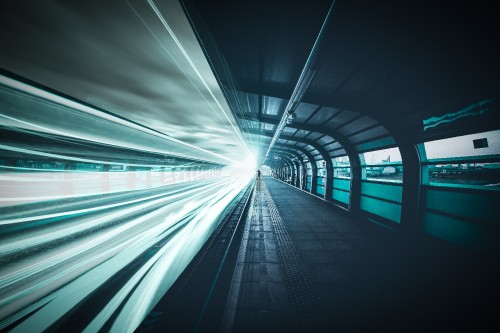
x,y
464,159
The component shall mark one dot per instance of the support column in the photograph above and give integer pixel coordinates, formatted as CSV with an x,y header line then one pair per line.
x,y
314,177
329,179
412,180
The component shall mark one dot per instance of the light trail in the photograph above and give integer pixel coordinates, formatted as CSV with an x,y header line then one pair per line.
x,y
50,269
83,116
22,187
230,119
97,200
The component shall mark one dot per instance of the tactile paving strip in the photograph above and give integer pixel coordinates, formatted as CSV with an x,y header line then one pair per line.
x,y
306,305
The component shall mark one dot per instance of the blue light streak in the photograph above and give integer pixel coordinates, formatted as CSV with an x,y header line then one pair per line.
x,y
96,177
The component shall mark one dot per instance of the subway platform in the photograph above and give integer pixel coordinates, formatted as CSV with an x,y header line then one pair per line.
x,y
305,265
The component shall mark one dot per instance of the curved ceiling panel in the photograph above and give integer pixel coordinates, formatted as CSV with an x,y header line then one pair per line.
x,y
386,67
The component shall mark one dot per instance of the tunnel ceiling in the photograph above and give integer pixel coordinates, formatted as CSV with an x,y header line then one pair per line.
x,y
389,65
203,72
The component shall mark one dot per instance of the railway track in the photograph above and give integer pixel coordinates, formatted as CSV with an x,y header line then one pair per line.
x,y
196,301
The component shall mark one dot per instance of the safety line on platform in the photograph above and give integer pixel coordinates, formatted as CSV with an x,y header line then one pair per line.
x,y
306,305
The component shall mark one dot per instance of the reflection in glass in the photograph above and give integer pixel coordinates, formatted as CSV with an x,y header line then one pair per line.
x,y
382,165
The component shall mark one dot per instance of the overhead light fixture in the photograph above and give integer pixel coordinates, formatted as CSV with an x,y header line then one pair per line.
x,y
290,118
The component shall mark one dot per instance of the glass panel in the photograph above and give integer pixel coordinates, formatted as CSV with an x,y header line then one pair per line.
x,y
383,156
341,167
341,196
391,192
321,164
485,174
303,111
268,127
487,143
467,161
342,184
383,165
320,190
273,106
342,173
388,210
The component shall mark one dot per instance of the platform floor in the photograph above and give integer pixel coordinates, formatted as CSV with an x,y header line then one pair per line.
x,y
306,266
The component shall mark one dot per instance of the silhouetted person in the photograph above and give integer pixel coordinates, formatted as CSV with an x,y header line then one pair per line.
x,y
258,174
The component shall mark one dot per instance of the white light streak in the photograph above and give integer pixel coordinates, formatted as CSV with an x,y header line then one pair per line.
x,y
6,81
193,66
88,249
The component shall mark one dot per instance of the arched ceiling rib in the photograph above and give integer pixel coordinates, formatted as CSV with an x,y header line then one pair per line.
x,y
350,134
299,150
309,142
289,155
292,155
398,63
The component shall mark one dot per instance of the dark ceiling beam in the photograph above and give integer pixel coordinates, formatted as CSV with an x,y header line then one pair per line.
x,y
387,117
324,130
297,149
361,106
309,142
289,155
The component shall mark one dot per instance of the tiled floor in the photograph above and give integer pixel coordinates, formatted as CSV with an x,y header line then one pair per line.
x,y
306,266
258,299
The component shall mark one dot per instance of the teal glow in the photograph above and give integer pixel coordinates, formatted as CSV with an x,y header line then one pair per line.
x,y
341,196
388,210
457,231
476,109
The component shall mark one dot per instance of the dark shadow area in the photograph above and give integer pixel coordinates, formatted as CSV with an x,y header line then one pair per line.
x,y
371,279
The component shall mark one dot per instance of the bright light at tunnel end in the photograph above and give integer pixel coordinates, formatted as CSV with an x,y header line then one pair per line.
x,y
247,167
250,162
